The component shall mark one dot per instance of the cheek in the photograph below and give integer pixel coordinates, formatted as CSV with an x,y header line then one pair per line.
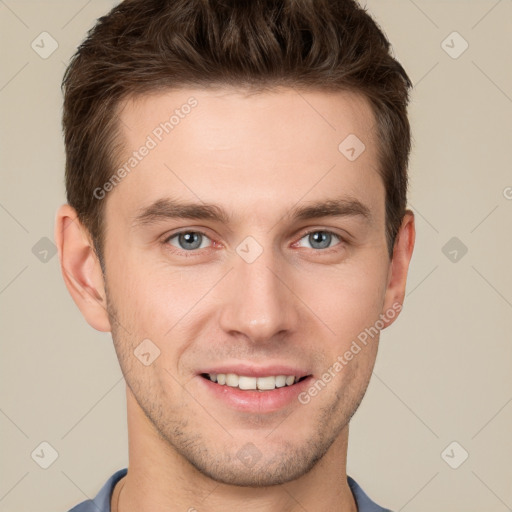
x,y
351,301
156,298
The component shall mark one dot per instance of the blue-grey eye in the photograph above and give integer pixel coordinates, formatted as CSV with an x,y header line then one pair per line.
x,y
189,240
320,239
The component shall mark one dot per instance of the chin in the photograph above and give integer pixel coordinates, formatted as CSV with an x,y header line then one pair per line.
x,y
248,467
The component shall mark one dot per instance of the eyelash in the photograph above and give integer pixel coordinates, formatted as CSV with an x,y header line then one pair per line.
x,y
196,252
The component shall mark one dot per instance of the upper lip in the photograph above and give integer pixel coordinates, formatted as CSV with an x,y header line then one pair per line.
x,y
258,371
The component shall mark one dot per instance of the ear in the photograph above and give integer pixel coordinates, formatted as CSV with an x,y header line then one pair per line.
x,y
399,266
80,268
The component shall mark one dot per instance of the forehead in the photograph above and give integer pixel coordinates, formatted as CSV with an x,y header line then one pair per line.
x,y
242,112
238,148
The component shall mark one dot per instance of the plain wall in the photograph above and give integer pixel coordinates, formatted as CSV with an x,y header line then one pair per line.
x,y
443,371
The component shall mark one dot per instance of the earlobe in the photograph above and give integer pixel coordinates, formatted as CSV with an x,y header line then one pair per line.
x,y
399,266
80,268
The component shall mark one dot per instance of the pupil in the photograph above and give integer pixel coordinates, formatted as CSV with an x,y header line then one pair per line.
x,y
321,239
191,240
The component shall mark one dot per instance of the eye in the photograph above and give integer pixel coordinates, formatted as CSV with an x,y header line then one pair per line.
x,y
320,239
188,240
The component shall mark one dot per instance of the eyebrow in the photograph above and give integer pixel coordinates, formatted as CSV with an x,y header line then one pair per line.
x,y
165,209
342,207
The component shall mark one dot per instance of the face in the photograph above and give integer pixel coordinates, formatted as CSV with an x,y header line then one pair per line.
x,y
244,242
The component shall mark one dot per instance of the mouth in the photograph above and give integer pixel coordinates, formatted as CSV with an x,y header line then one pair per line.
x,y
251,383
254,390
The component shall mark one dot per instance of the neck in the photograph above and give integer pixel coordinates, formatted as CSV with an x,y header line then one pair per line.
x,y
159,479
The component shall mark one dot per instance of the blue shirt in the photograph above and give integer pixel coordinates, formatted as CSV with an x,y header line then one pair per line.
x,y
101,503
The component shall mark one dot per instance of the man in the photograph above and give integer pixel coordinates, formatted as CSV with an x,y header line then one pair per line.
x,y
236,179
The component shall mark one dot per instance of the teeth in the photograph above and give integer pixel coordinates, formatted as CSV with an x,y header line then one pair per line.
x,y
290,380
280,381
231,380
266,383
245,382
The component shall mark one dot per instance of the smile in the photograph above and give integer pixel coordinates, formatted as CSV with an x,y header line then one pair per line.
x,y
244,382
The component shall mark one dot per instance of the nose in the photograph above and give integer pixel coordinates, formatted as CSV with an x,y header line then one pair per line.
x,y
257,300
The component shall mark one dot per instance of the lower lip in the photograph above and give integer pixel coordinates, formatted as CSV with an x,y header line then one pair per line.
x,y
256,401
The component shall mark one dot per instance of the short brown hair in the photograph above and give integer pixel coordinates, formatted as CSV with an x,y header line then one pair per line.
x,y
143,46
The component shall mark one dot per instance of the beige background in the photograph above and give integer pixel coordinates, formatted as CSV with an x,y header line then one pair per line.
x,y
443,372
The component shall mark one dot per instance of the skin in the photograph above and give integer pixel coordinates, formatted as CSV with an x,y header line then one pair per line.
x,y
257,156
